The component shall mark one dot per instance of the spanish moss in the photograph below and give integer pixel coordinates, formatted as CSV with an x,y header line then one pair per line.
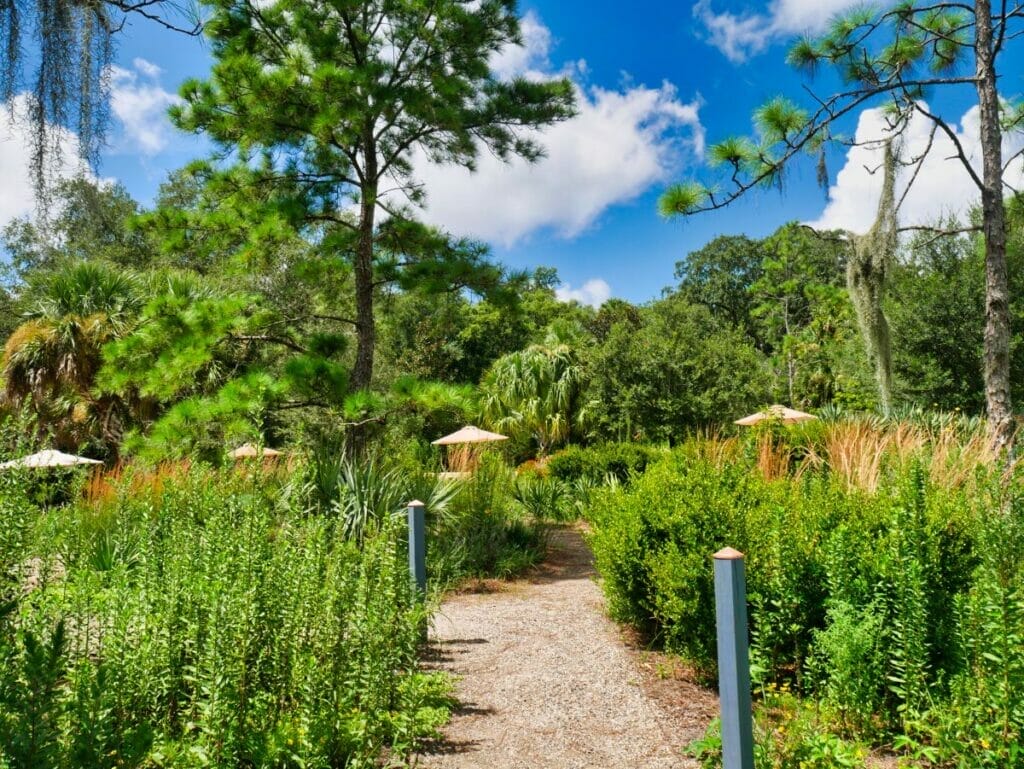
x,y
871,259
69,88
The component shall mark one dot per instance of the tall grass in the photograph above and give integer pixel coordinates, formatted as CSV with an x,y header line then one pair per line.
x,y
859,452
485,531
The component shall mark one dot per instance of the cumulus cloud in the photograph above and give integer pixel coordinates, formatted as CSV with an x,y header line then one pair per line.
x,y
16,192
942,188
594,292
532,55
620,144
742,35
140,103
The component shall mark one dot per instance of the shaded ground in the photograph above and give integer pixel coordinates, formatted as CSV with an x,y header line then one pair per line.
x,y
546,680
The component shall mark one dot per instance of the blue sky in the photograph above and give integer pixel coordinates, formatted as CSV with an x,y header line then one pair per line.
x,y
655,80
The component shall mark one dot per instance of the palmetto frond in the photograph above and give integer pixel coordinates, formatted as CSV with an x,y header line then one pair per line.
x,y
535,392
54,356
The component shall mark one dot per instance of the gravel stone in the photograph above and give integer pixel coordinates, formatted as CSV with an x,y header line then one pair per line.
x,y
545,680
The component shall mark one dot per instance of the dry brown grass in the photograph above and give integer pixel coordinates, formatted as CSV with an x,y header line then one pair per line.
x,y
106,485
709,446
772,457
955,459
465,457
859,452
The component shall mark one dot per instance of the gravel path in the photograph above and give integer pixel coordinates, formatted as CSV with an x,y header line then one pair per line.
x,y
546,681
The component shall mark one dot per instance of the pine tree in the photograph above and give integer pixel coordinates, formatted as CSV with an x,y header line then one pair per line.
x,y
327,105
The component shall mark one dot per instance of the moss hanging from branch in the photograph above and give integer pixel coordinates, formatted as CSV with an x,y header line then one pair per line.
x,y
70,45
870,261
69,90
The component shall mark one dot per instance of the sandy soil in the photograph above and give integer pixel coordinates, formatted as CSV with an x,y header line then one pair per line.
x,y
546,680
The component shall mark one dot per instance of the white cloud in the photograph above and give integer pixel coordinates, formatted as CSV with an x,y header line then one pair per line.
x,y
531,55
140,103
594,292
620,144
147,68
742,35
942,188
17,197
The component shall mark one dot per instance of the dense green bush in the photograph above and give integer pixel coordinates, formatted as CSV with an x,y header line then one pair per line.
x,y
209,623
596,463
484,531
900,610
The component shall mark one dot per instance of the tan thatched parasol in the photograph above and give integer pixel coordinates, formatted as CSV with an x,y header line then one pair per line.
x,y
49,458
468,444
248,451
779,413
469,434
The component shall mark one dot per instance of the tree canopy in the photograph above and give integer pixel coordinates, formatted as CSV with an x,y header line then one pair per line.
x,y
896,57
330,104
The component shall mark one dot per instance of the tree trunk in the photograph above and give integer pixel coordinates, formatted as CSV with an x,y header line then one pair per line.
x,y
366,332
362,374
997,293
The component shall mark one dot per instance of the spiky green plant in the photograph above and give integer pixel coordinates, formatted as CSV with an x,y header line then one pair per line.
x,y
537,393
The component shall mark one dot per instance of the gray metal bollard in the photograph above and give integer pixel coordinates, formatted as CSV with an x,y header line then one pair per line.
x,y
733,660
418,546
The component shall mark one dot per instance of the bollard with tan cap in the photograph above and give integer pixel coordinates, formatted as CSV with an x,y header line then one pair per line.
x,y
733,660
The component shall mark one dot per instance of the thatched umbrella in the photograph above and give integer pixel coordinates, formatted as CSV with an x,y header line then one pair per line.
x,y
777,413
49,458
248,451
469,434
469,438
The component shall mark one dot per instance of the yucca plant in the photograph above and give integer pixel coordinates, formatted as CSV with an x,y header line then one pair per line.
x,y
542,498
362,493
367,494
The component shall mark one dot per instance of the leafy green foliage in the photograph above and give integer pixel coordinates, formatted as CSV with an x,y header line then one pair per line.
x,y
850,591
321,134
537,394
596,463
212,622
52,360
677,371
721,275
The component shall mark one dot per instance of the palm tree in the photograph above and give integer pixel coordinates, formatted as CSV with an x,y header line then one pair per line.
x,y
50,361
537,392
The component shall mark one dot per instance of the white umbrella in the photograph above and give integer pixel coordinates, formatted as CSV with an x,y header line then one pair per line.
x,y
783,414
469,434
49,458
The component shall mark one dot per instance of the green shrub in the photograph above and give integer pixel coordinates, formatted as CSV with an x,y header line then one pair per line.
x,y
213,624
653,543
983,717
596,463
851,593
